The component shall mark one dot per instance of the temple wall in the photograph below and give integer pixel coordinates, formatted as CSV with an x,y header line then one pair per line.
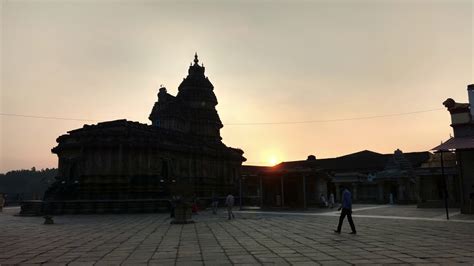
x,y
124,172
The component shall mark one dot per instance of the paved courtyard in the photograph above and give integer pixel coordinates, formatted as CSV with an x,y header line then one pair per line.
x,y
386,234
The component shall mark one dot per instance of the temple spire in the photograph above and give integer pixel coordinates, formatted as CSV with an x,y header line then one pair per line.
x,y
196,60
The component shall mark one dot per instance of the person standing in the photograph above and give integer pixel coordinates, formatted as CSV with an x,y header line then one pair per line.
x,y
194,205
323,200
215,203
229,201
173,203
331,200
346,207
2,202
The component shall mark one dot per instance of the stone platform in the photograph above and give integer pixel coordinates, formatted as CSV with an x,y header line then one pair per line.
x,y
386,235
39,207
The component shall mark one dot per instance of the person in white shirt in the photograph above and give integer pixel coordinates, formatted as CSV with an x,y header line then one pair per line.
x,y
323,200
229,201
331,200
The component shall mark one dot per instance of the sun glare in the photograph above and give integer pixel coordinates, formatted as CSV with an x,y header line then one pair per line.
x,y
272,161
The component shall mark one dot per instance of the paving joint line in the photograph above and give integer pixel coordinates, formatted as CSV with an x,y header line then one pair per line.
x,y
218,241
235,239
136,247
266,247
359,216
291,248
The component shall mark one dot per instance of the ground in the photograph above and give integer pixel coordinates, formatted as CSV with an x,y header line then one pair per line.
x,y
386,234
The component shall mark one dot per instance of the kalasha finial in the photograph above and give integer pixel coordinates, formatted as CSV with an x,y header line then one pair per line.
x,y
162,89
196,60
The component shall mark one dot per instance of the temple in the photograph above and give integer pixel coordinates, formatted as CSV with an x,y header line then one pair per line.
x,y
124,161
462,143
372,177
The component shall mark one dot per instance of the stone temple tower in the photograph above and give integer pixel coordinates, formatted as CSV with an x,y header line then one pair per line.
x,y
192,110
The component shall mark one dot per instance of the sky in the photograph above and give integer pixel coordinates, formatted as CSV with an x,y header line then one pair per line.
x,y
269,61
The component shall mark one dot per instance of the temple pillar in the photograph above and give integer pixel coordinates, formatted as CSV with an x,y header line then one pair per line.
x,y
419,189
120,161
304,192
282,191
401,191
451,187
380,192
321,188
338,192
354,191
240,193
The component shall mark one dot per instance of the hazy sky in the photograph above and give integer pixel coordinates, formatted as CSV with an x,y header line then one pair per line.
x,y
269,61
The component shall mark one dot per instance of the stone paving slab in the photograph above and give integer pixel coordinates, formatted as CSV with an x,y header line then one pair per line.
x,y
258,238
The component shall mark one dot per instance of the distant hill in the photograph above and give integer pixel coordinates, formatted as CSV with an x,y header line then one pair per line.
x,y
26,184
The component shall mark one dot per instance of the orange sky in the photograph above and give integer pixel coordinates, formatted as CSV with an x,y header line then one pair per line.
x,y
269,62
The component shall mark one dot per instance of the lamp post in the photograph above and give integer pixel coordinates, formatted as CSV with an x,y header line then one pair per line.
x,y
240,192
261,193
445,186
304,192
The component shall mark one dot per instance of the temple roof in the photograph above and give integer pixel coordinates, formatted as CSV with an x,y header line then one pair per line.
x,y
137,135
360,161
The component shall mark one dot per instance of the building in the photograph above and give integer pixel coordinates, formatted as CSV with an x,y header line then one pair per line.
x,y
125,163
397,182
371,177
283,186
433,177
462,122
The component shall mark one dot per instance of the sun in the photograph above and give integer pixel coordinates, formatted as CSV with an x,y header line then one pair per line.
x,y
272,160
271,156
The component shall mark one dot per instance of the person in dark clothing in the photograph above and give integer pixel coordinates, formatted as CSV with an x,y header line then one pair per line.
x,y
215,203
173,203
346,207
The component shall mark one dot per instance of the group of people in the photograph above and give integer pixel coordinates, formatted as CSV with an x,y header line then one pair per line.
x,y
229,202
345,208
329,204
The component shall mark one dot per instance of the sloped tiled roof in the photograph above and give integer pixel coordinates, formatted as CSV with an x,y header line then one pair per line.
x,y
365,161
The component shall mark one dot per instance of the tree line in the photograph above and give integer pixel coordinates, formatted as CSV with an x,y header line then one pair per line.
x,y
26,184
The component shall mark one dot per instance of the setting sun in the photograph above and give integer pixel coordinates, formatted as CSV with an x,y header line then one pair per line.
x,y
272,161
271,156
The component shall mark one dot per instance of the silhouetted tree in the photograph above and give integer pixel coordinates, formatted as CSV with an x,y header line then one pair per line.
x,y
26,184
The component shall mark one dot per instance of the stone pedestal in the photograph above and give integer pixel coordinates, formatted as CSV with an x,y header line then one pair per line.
x,y
182,214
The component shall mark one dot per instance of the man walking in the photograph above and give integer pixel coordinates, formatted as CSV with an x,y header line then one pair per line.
x,y
346,207
229,201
